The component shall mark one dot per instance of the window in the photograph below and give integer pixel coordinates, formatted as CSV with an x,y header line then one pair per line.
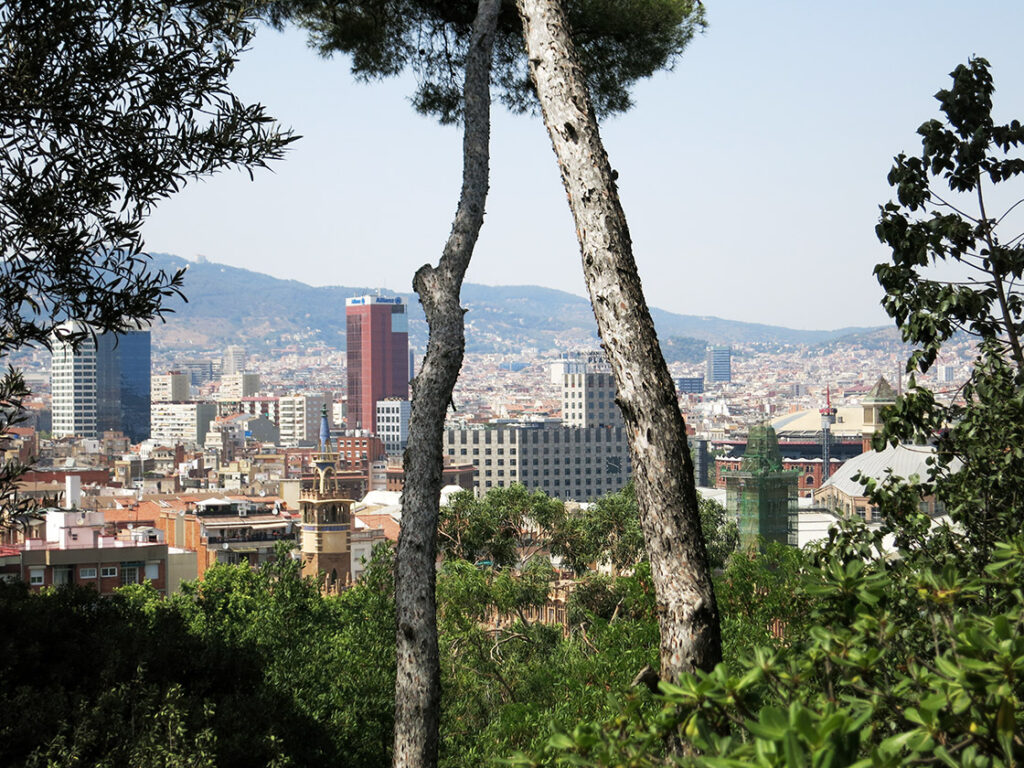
x,y
108,571
129,575
35,576
87,573
62,575
152,571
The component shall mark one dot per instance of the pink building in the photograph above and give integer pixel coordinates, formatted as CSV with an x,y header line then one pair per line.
x,y
79,548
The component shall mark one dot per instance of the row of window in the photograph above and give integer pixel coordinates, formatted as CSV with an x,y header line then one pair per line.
x,y
130,574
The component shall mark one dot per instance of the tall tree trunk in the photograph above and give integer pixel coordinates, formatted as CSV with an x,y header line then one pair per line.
x,y
663,470
418,680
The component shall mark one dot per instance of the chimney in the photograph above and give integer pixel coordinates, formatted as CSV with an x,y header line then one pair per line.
x,y
72,491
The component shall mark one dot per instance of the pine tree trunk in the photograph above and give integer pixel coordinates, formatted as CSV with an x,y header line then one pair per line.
x,y
418,679
663,470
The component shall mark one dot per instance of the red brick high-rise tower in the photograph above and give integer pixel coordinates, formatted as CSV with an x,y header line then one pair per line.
x,y
377,331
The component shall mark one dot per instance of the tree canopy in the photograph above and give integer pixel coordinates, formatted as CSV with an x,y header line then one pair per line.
x,y
106,108
619,42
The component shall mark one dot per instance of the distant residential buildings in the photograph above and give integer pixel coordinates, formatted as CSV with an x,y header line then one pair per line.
x,y
79,548
200,371
588,399
233,360
690,385
299,417
235,386
377,334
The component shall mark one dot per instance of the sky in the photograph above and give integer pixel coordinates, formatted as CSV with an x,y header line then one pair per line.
x,y
751,174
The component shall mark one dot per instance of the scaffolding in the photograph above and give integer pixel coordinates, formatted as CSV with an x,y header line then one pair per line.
x,y
761,495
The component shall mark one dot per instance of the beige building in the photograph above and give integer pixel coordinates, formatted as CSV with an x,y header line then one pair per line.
x,y
235,386
846,497
171,387
185,423
588,399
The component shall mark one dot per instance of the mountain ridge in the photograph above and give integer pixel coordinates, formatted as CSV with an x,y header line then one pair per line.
x,y
228,304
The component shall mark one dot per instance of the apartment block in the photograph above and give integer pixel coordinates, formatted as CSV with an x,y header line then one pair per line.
x,y
235,386
571,463
588,399
171,387
299,418
185,423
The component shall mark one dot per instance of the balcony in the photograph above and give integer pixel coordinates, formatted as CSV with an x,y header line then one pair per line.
x,y
248,539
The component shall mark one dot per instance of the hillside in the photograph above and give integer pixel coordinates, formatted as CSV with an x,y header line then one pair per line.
x,y
232,305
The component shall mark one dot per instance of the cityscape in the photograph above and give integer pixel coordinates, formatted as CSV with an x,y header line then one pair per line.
x,y
700,443
132,436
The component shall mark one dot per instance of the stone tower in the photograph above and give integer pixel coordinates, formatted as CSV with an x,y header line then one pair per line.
x,y
326,519
878,397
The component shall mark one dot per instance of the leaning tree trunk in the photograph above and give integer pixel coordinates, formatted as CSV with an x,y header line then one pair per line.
x,y
418,679
663,470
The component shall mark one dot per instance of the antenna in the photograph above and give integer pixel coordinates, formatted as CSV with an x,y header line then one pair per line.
x,y
828,418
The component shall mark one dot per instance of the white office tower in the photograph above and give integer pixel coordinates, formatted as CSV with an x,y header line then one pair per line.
x,y
102,385
73,386
233,360
393,424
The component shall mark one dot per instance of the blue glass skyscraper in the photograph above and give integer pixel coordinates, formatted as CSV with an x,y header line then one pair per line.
x,y
123,365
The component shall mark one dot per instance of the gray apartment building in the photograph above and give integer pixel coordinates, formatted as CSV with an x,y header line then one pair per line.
x,y
584,456
571,463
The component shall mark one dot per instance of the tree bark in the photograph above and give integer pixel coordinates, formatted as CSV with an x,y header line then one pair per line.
x,y
418,678
663,471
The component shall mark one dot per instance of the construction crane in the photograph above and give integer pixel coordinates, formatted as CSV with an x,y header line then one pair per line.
x,y
828,418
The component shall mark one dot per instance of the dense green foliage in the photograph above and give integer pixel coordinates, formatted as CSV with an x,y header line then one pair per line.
x,y
246,668
255,667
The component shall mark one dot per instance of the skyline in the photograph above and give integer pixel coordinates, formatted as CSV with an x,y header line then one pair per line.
x,y
706,146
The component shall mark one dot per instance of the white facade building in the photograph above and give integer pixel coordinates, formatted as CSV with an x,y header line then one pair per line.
x,y
393,424
172,387
185,423
588,399
235,386
299,418
73,387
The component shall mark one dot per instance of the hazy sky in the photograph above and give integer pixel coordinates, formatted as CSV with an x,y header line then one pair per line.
x,y
751,174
